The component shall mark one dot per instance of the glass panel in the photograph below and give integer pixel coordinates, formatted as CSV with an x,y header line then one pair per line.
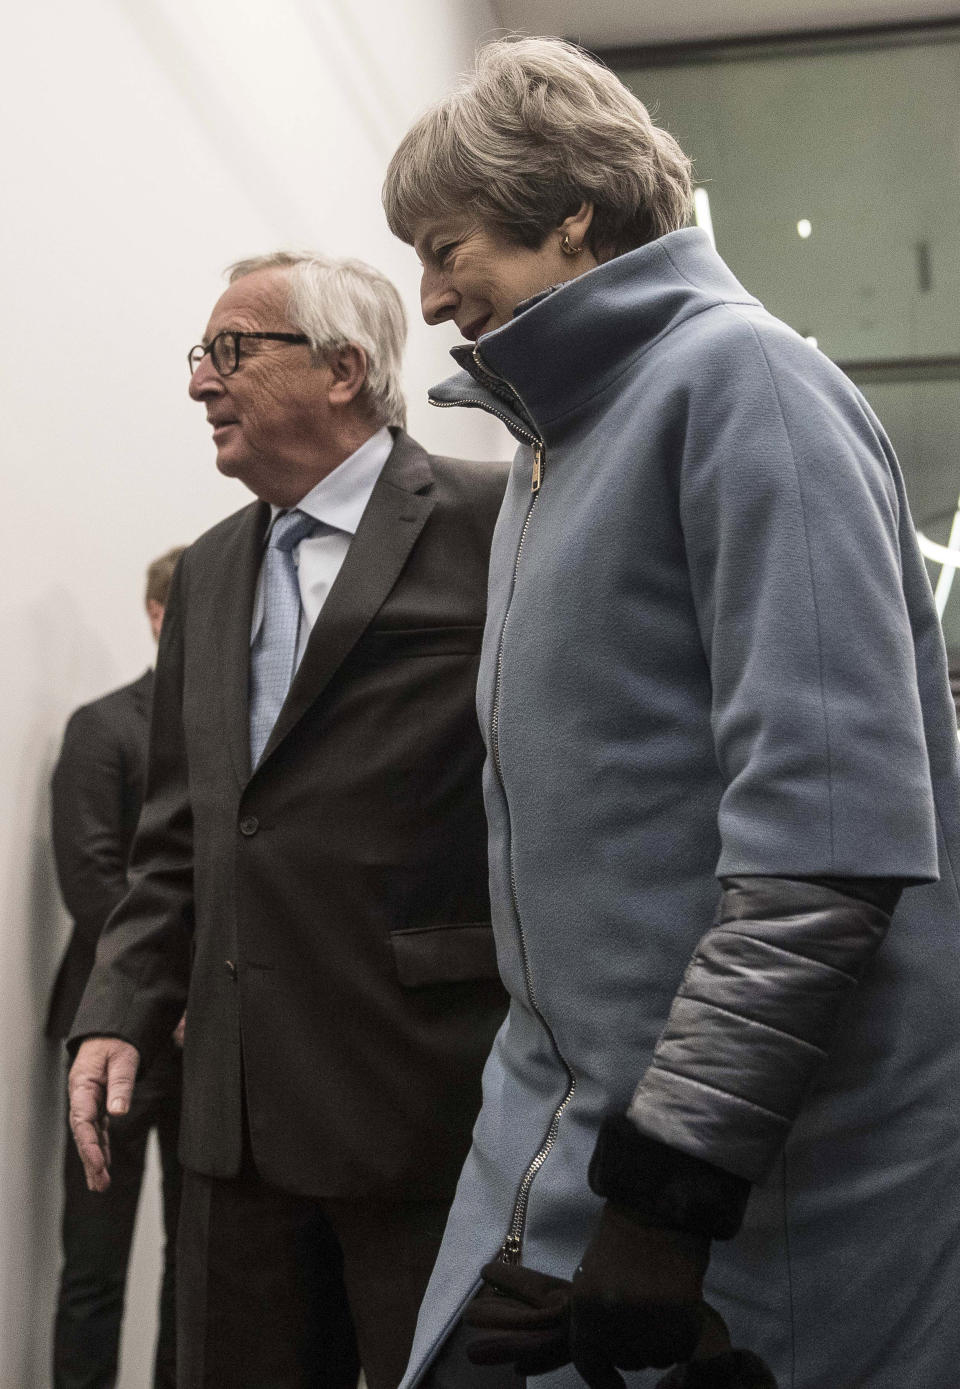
x,y
865,146
922,418
832,171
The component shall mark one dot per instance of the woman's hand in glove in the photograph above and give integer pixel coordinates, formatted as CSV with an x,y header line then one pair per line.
x,y
716,1365
519,1317
522,1317
637,1297
635,1301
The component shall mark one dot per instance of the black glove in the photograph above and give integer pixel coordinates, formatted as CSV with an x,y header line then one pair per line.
x,y
637,1297
734,1369
636,1300
522,1317
716,1365
538,1323
519,1317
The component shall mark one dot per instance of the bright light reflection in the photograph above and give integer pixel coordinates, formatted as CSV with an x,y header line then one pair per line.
x,y
811,340
701,211
804,227
947,556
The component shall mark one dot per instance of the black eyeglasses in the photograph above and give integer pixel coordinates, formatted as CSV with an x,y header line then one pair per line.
x,y
224,349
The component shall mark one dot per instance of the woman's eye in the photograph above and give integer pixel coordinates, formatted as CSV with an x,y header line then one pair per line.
x,y
441,252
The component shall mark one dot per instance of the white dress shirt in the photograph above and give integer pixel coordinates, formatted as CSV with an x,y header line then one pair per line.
x,y
338,500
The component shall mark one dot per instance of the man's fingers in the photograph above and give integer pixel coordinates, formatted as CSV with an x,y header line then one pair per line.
x,y
92,1156
122,1063
103,1135
87,1127
101,1078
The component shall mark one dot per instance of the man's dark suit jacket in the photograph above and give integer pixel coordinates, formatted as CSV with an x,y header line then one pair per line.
x,y
343,968
97,791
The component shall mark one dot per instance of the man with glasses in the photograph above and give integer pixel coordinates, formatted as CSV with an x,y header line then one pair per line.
x,y
314,829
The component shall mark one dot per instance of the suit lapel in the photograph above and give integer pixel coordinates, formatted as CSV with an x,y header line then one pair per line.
x,y
395,515
233,604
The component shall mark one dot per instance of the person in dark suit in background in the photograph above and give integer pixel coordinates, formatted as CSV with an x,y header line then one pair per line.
x,y
97,792
314,818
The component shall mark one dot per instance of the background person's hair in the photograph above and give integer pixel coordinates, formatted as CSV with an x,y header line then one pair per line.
x,y
337,302
159,575
538,129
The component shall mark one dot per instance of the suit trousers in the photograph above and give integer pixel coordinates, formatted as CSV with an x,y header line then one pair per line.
x,y
279,1291
97,1232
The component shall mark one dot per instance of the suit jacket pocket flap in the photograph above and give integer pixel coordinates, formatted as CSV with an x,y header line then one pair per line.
x,y
444,954
391,644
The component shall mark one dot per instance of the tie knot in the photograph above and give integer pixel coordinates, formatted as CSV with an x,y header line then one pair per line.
x,y
290,528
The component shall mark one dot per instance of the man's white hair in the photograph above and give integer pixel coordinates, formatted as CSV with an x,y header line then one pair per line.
x,y
338,302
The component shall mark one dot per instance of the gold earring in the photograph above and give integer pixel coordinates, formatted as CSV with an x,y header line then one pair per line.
x,y
567,246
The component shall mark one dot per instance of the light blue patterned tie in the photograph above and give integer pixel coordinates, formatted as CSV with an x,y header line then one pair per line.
x,y
274,652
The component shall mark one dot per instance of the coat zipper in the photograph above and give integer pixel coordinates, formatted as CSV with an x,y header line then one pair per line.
x,y
536,443
512,1247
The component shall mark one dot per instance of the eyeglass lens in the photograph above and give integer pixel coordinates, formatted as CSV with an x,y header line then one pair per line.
x,y
223,353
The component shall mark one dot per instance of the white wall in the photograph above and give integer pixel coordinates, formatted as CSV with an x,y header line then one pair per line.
x,y
149,143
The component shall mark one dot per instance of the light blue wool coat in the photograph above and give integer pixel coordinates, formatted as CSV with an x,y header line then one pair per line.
x,y
712,649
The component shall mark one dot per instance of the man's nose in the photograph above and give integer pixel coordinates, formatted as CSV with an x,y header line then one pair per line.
x,y
205,380
438,300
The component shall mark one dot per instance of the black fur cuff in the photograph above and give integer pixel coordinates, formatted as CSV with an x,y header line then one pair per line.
x,y
665,1187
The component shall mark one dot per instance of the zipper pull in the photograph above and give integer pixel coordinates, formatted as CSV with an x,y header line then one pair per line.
x,y
538,462
510,1250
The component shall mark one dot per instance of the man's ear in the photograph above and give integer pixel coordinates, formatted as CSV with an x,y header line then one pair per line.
x,y
349,367
155,617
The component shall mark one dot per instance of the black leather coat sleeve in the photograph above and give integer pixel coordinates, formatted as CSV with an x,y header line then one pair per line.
x,y
756,1014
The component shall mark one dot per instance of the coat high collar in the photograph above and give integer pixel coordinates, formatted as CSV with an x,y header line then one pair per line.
x,y
566,344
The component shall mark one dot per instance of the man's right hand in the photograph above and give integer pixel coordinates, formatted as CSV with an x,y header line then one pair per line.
x,y
100,1084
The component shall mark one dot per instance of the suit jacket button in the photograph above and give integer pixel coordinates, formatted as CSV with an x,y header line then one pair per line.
x,y
231,968
249,824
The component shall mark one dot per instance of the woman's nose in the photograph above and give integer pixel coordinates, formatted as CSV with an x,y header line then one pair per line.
x,y
438,301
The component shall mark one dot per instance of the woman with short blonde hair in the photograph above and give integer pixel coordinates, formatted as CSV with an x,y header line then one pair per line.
x,y
711,653
539,129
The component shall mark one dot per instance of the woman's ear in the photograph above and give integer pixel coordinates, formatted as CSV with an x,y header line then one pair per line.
x,y
576,227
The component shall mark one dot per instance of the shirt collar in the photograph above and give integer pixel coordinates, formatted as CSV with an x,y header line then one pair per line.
x,y
340,498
